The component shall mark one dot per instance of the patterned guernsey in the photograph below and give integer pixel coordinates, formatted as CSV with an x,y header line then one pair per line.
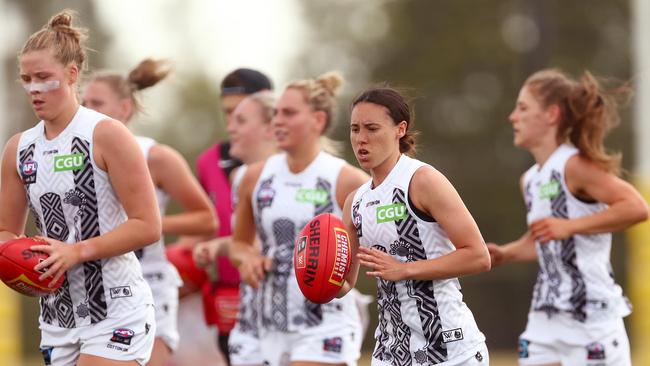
x,y
420,322
575,274
283,203
72,200
157,270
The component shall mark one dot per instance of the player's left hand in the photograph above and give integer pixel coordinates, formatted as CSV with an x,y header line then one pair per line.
x,y
550,228
62,256
382,265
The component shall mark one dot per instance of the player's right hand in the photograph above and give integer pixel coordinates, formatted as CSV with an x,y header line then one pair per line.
x,y
253,270
497,256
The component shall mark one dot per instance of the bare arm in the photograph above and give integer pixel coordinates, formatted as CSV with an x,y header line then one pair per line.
x,y
520,250
171,173
13,202
585,180
243,253
442,202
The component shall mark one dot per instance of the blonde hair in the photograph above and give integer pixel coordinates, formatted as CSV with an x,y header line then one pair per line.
x,y
588,112
146,74
65,41
266,100
320,95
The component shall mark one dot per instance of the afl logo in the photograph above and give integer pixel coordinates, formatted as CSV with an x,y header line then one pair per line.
x,y
28,171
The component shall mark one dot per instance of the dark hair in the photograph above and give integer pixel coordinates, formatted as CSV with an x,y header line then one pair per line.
x,y
398,110
65,41
588,112
146,74
245,81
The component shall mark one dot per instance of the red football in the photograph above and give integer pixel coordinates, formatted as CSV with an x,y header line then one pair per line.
x,y
181,257
321,258
17,263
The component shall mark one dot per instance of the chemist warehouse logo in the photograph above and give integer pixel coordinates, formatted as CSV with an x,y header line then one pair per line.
x,y
392,212
64,163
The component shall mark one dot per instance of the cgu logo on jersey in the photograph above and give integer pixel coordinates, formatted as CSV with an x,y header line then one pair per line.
x,y
549,190
64,163
394,212
315,196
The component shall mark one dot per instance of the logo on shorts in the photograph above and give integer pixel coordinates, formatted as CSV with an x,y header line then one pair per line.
x,y
595,351
452,335
333,344
28,171
478,356
147,328
523,348
122,335
64,163
121,291
47,355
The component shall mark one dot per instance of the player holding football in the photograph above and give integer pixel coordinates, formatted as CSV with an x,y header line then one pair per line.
x,y
409,226
277,197
85,180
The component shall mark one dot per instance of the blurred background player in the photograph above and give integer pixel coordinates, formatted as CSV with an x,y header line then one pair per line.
x,y
277,197
251,140
411,229
574,201
85,180
114,94
219,284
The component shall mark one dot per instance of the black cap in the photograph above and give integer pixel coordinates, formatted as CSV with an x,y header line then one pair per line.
x,y
245,81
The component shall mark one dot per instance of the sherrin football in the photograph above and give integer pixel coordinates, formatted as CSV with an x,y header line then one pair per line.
x,y
321,258
17,263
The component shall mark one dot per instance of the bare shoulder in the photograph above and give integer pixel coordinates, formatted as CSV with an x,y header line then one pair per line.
x,y
580,171
252,174
352,177
109,131
161,154
425,177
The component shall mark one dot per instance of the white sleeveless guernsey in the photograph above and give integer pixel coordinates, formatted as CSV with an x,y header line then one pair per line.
x,y
283,203
159,273
575,274
420,322
72,200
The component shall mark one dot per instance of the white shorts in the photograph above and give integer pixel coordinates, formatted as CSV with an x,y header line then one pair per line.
x,y
129,338
166,304
561,339
325,343
244,349
475,356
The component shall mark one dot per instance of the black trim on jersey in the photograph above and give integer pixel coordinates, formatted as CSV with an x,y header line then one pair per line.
x,y
84,180
226,162
284,232
421,291
419,213
328,206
